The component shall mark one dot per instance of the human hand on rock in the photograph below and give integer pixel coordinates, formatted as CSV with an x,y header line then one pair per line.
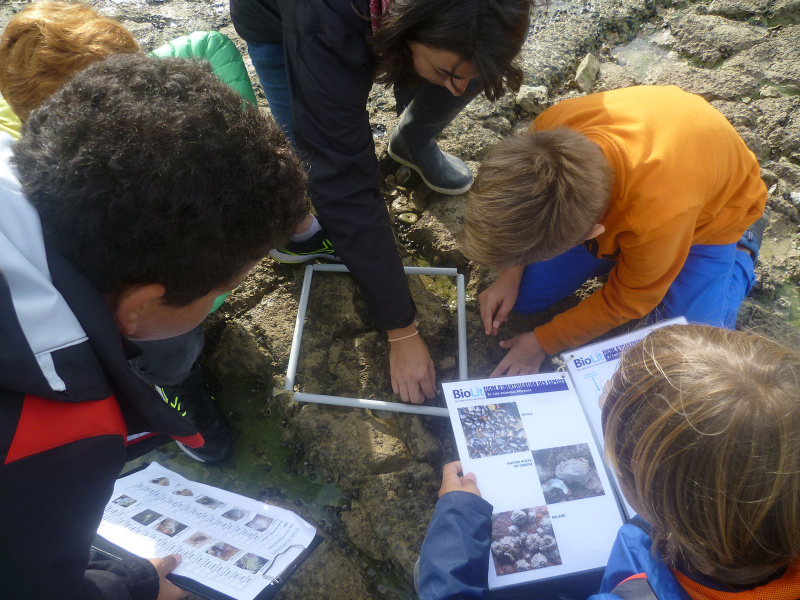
x,y
525,356
411,367
166,589
498,299
453,482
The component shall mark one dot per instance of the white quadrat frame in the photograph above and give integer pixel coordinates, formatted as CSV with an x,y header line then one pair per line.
x,y
432,411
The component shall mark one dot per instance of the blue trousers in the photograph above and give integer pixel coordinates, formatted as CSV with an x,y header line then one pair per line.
x,y
709,288
269,62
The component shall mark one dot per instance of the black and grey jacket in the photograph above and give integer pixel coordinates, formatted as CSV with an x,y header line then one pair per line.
x,y
330,65
68,408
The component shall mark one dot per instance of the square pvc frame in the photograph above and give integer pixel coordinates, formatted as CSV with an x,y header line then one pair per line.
x,y
294,354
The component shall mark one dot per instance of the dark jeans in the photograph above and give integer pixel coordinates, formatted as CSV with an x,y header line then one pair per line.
x,y
169,361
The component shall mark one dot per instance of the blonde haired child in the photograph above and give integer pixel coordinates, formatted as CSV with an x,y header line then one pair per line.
x,y
701,425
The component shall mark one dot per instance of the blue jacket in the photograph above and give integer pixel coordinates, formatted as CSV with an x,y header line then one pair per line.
x,y
455,555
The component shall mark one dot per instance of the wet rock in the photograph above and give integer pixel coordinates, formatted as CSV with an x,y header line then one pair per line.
x,y
399,519
419,199
586,73
776,60
438,227
315,579
408,218
782,307
421,443
575,471
724,83
710,39
612,76
513,529
400,205
532,99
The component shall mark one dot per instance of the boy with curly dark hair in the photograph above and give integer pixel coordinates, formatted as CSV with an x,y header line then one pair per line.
x,y
139,192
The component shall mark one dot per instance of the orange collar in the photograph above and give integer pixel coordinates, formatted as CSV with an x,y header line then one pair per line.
x,y
786,587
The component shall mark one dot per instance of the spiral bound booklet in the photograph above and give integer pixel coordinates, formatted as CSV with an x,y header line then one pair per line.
x,y
232,546
530,441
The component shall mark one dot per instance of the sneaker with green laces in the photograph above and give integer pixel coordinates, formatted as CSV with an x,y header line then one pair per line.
x,y
318,245
194,400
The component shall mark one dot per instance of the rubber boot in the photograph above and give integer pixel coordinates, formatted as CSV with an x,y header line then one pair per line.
x,y
412,143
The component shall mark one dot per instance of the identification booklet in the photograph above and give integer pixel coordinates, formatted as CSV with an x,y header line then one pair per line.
x,y
232,546
591,367
530,441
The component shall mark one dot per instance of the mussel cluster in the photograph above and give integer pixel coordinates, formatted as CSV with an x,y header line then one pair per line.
x,y
493,429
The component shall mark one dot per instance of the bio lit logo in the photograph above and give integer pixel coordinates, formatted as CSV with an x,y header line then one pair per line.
x,y
590,359
476,392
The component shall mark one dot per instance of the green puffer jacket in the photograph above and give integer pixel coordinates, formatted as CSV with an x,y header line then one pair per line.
x,y
216,48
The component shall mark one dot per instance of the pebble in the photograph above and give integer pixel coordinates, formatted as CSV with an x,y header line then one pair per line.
x,y
408,218
586,73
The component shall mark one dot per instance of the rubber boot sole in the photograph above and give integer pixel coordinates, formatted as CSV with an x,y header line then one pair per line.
x,y
294,259
445,191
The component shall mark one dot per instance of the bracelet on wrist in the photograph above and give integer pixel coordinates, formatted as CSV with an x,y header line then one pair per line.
x,y
404,337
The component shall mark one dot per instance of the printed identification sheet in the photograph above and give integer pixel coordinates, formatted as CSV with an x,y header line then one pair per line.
x,y
233,544
591,368
527,440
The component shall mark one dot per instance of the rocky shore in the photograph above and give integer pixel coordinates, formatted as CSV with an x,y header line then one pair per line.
x,y
370,480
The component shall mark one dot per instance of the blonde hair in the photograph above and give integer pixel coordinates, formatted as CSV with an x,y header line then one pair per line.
x,y
46,42
537,194
703,426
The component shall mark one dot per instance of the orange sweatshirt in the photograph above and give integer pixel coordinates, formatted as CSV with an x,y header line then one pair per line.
x,y
683,176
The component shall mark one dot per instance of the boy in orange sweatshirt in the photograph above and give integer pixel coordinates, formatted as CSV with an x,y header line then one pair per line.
x,y
650,185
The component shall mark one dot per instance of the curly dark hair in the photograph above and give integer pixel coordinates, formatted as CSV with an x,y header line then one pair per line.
x,y
489,33
148,170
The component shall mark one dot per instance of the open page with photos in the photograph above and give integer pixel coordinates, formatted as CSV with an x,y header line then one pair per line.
x,y
527,440
232,544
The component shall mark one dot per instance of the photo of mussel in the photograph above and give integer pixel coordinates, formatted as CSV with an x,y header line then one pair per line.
x,y
567,473
493,429
523,540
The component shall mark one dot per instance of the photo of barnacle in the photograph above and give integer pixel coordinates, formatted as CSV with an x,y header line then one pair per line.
x,y
251,562
146,517
125,501
493,430
160,481
183,492
222,551
259,523
567,473
170,527
235,514
209,502
523,540
198,539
